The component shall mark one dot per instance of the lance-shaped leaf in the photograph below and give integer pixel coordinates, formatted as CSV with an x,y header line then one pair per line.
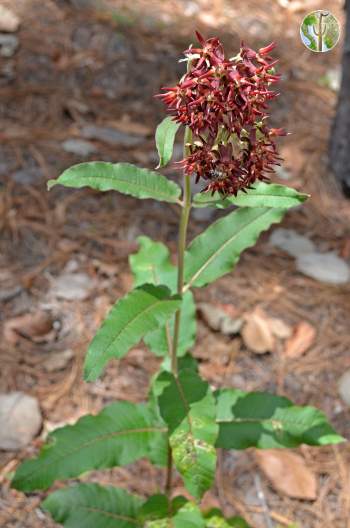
x,y
122,433
267,421
187,406
152,264
262,195
94,506
122,177
217,250
165,137
140,312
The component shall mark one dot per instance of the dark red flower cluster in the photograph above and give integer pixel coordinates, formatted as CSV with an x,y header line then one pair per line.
x,y
224,103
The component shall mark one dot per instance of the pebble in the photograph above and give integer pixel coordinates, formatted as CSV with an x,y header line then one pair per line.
x,y
111,136
73,286
58,360
324,267
9,22
8,45
20,420
344,387
27,176
79,147
291,242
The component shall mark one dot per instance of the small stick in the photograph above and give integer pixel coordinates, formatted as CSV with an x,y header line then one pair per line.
x,y
262,499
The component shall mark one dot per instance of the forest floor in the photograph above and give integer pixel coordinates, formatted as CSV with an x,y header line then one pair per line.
x,y
80,64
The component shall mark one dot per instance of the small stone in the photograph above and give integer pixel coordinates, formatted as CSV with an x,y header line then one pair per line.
x,y
324,267
20,420
58,360
191,8
27,176
344,387
73,286
79,147
8,45
9,22
332,79
291,242
111,136
282,173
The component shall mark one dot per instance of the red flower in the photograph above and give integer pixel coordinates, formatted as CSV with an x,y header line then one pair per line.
x,y
224,103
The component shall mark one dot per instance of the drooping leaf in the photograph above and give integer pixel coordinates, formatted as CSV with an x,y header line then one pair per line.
x,y
152,264
263,195
267,421
121,177
94,506
131,318
122,433
187,406
165,137
217,250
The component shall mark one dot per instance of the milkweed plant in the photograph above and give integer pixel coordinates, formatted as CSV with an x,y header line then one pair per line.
x,y
228,146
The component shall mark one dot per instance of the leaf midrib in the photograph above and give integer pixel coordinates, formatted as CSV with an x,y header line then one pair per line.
x,y
108,514
117,336
221,248
254,195
134,184
100,438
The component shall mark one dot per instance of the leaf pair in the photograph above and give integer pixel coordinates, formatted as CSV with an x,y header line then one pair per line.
x,y
195,420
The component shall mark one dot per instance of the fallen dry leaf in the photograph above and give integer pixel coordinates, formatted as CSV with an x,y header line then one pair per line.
x,y
220,319
288,473
256,333
301,340
279,328
36,326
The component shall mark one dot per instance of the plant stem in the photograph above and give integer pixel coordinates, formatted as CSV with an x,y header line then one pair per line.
x,y
185,214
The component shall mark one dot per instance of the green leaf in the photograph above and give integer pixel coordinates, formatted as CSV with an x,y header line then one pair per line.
x,y
152,265
215,519
165,137
94,506
187,406
217,250
122,433
189,516
266,421
263,195
122,177
131,318
158,341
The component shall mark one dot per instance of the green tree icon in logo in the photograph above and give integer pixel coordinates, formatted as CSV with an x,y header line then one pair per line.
x,y
320,31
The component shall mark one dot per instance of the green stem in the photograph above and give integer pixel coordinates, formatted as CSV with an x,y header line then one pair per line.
x,y
185,214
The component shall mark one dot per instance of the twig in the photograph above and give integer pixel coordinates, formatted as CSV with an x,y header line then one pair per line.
x,y
262,499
